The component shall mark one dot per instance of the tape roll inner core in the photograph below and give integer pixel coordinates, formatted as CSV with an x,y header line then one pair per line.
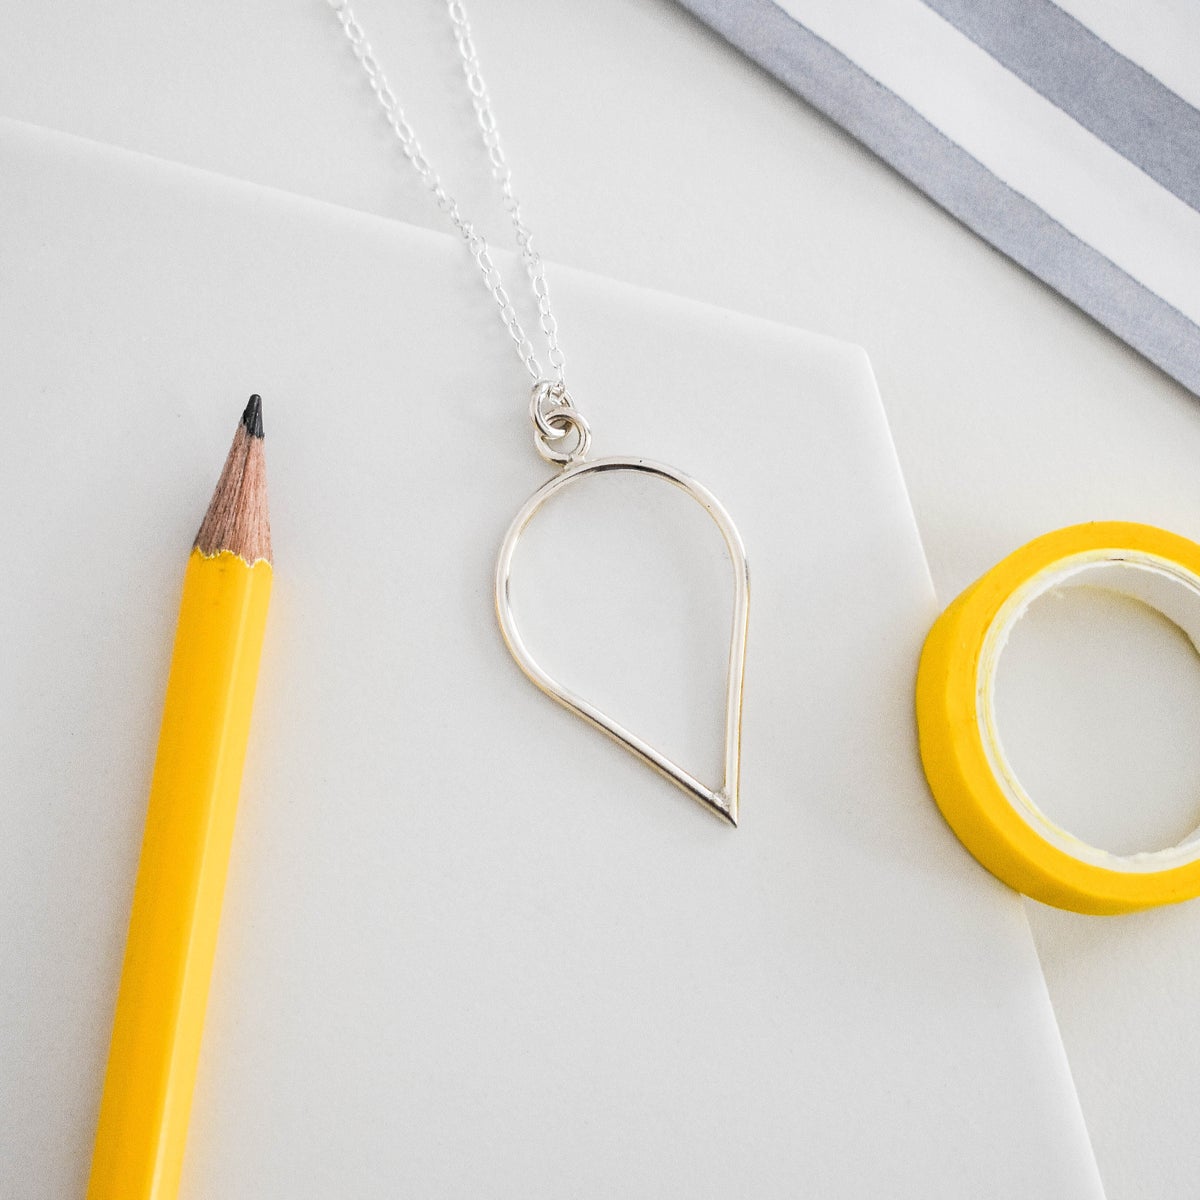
x,y
1157,582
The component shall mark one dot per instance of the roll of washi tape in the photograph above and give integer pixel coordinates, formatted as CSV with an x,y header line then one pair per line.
x,y
972,779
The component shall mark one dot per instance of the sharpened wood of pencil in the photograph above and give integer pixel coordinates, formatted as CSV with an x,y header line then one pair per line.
x,y
172,937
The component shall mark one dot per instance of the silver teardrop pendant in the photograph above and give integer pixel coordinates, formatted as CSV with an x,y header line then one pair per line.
x,y
723,799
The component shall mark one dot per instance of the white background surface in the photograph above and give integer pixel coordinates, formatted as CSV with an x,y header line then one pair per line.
x,y
649,151
470,948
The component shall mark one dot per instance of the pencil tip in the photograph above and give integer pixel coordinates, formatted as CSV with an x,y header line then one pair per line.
x,y
252,417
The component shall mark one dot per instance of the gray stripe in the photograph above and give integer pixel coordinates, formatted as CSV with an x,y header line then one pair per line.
x,y
884,123
1080,73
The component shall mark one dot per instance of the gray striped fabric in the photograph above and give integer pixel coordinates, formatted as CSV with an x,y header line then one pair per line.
x,y
1115,107
1078,72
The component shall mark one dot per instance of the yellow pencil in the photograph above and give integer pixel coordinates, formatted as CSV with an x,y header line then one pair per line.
x,y
189,828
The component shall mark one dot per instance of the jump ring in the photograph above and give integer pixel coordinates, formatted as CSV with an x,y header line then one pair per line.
x,y
563,419
547,396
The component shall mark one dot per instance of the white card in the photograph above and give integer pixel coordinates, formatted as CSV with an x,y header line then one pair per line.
x,y
470,946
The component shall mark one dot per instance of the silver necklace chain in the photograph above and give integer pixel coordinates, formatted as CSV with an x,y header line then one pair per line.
x,y
553,395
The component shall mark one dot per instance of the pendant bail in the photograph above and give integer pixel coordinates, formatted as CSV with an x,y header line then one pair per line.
x,y
557,423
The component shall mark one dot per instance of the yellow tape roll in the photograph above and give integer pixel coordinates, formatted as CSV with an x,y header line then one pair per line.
x,y
972,779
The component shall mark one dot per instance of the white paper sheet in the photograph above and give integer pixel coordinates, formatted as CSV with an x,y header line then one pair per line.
x,y
470,947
